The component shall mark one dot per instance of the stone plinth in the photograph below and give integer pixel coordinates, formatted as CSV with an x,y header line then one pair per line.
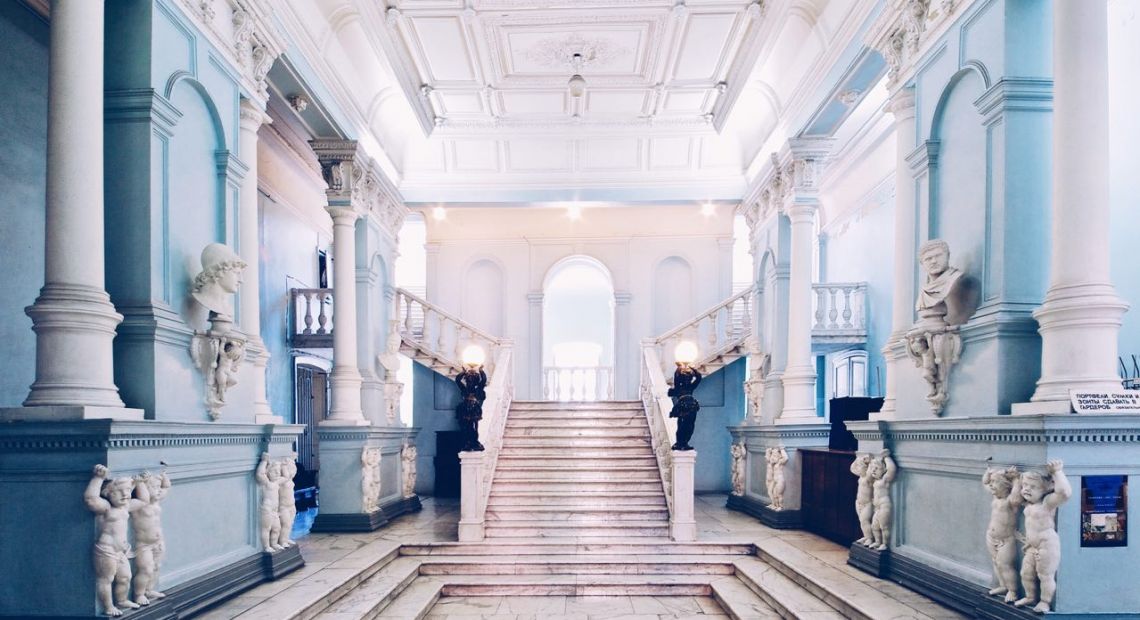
x,y
757,439
341,493
683,523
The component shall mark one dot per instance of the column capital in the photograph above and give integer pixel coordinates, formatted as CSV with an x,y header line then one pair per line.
x,y
901,103
802,212
252,115
622,298
536,298
342,215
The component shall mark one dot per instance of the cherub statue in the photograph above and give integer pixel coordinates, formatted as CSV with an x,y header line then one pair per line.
x,y
1005,486
685,406
408,461
150,546
754,386
287,504
269,481
1042,546
111,501
863,507
370,479
224,359
777,459
738,453
472,383
882,473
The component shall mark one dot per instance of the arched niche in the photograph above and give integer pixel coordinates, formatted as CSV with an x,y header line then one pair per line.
x,y
578,330
483,292
672,294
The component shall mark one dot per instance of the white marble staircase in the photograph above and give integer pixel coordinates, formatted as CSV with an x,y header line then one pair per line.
x,y
571,470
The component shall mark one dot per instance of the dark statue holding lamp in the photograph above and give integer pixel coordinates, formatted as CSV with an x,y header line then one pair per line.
x,y
472,384
685,382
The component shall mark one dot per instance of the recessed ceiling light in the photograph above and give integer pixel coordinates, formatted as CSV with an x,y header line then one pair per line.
x,y
574,212
708,209
439,214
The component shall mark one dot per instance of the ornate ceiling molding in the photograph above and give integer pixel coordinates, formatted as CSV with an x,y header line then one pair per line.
x,y
905,28
245,34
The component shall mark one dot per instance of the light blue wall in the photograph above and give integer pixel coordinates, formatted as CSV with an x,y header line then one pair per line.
x,y
863,251
1124,164
288,260
434,400
722,405
23,132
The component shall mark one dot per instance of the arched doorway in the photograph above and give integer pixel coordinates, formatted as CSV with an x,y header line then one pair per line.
x,y
578,331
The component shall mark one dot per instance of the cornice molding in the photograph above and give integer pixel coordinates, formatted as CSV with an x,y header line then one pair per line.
x,y
1003,429
905,30
114,435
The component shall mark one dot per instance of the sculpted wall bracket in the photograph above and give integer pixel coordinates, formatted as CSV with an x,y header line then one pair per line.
x,y
218,352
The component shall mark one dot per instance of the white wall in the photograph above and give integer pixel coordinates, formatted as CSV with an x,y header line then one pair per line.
x,y
524,242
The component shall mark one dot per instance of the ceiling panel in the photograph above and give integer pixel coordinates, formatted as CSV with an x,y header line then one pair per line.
x,y
460,102
703,46
443,43
611,154
617,102
541,50
476,155
670,153
685,101
532,103
538,155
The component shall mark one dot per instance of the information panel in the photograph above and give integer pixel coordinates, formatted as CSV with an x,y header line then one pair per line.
x,y
1104,511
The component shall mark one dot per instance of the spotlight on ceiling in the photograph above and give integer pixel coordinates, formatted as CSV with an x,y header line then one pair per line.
x,y
577,83
439,214
708,209
574,212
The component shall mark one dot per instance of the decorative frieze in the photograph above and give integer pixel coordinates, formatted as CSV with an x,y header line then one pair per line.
x,y
249,38
903,30
354,182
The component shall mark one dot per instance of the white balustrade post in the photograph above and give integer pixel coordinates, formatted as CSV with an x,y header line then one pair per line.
x,y
342,173
249,244
73,317
683,522
902,299
1081,316
471,496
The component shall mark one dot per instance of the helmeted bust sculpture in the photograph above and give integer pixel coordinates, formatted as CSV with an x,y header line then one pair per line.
x,y
220,278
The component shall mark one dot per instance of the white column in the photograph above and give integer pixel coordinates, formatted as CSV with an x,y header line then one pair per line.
x,y
799,375
73,317
683,522
902,299
625,367
249,242
345,379
534,347
1081,316
471,494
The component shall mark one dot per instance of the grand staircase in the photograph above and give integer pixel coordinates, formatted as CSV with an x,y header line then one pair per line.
x,y
577,470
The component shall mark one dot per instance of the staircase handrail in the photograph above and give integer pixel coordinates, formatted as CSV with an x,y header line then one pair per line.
x,y
654,395
475,331
500,393
696,318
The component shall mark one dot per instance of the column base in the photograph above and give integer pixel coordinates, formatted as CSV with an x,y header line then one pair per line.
x,y
683,531
259,418
344,422
68,413
799,396
868,560
775,519
1045,407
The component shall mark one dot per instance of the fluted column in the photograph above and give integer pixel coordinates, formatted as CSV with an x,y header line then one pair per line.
x,y
625,367
534,347
343,173
249,244
73,317
799,376
902,299
1081,315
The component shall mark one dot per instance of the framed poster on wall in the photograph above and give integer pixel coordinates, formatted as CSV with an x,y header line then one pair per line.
x,y
1104,511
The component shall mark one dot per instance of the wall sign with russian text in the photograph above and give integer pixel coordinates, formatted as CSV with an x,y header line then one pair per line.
x,y
1104,511
1122,401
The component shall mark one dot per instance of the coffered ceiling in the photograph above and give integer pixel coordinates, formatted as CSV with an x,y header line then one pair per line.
x,y
469,98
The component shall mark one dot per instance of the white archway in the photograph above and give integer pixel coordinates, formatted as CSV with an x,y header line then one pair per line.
x,y
578,330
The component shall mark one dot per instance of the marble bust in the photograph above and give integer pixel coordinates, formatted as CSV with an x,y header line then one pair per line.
x,y
941,278
219,279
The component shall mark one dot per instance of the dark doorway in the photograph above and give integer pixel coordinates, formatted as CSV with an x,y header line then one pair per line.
x,y
312,407
447,472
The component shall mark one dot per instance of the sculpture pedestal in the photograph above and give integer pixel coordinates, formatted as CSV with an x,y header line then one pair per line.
x,y
471,496
683,523
874,561
342,493
776,519
61,413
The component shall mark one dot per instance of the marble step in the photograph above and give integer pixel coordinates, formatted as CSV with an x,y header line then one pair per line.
x,y
578,565
540,486
572,444
601,499
616,546
374,594
578,462
740,602
538,506
576,416
326,584
577,516
559,432
781,593
574,585
578,422
554,529
583,472
554,405
413,603
577,452
851,597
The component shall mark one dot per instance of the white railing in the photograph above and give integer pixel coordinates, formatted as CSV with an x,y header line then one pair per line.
x,y
657,407
435,332
312,316
500,392
839,308
715,331
578,383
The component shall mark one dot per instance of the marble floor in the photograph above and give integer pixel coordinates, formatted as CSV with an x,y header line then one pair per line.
x,y
329,555
576,608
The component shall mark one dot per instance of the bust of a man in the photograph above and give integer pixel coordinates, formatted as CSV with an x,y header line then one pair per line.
x,y
934,256
219,280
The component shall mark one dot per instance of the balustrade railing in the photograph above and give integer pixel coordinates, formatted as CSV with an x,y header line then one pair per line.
x,y
839,309
715,331
312,317
578,383
500,392
654,395
442,335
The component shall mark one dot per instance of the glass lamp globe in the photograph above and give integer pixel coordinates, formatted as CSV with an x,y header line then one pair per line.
x,y
686,352
474,356
577,85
